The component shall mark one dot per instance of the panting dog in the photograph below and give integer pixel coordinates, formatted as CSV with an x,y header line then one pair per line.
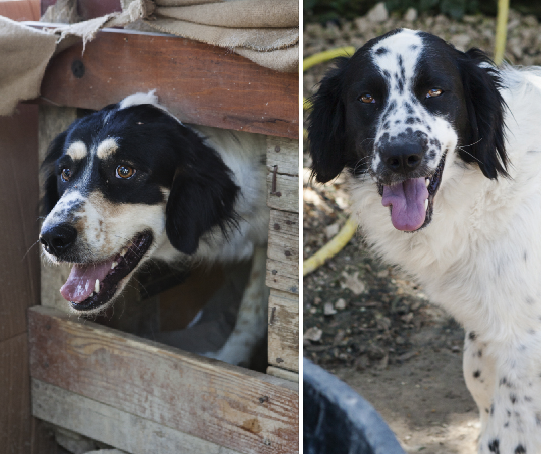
x,y
131,182
443,155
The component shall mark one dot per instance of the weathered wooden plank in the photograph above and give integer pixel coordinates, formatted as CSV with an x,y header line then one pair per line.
x,y
198,83
284,238
19,432
19,253
283,153
284,330
282,276
283,192
282,373
242,410
110,425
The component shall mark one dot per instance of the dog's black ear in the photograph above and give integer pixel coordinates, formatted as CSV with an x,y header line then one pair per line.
x,y
202,196
50,189
486,145
326,125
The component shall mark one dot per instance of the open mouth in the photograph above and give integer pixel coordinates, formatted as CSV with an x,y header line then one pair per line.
x,y
92,285
412,200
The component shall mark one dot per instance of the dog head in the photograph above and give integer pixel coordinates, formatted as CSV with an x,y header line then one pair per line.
x,y
118,183
400,108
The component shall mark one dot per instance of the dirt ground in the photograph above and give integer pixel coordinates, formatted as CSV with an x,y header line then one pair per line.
x,y
363,321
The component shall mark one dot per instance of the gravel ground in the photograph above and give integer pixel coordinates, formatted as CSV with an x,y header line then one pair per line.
x,y
365,322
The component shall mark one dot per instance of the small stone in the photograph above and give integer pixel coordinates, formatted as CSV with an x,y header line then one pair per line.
x,y
332,230
340,304
411,15
313,334
378,13
328,309
461,41
353,283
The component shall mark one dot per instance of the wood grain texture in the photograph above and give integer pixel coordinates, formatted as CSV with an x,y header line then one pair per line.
x,y
284,330
283,276
286,196
115,427
282,373
198,83
19,257
283,153
239,409
19,432
284,238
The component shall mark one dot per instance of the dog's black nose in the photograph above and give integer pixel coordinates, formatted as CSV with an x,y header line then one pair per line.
x,y
402,158
58,239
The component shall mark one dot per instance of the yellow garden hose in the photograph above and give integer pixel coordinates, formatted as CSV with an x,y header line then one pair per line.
x,y
337,243
501,31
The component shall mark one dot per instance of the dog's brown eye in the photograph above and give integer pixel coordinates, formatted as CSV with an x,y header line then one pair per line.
x,y
125,172
66,174
434,93
367,98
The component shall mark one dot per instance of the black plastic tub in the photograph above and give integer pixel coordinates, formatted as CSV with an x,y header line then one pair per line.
x,y
338,420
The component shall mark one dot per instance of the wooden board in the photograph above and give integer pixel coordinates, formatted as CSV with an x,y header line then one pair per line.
x,y
284,330
19,432
198,83
283,153
282,373
239,409
286,195
283,251
115,427
20,10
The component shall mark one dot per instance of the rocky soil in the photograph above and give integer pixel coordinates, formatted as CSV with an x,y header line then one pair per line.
x,y
365,322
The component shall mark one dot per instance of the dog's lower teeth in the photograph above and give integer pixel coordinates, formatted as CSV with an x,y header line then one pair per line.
x,y
113,265
97,286
123,252
426,204
427,182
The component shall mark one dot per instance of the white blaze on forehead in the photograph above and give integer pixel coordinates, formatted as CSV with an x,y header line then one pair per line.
x,y
140,98
106,148
77,150
407,44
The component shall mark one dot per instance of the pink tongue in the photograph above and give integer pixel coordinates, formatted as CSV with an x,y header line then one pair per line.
x,y
408,201
82,280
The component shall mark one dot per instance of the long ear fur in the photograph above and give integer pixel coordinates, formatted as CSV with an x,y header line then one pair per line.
x,y
326,129
50,189
482,83
202,196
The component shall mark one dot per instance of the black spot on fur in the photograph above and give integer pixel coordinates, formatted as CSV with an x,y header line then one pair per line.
x,y
494,446
513,398
408,107
520,450
476,374
529,300
386,74
401,85
525,256
491,409
480,353
385,125
382,51
472,336
528,399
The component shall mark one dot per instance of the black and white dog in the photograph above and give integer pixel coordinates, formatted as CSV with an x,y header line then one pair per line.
x,y
443,153
131,182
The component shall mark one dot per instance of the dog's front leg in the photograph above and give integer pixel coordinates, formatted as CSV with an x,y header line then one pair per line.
x,y
512,424
251,324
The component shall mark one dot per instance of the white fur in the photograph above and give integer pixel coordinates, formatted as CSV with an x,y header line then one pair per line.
x,y
480,258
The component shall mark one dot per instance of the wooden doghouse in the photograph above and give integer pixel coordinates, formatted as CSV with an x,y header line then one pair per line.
x,y
140,396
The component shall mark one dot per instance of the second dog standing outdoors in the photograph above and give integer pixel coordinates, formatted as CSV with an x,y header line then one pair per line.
x,y
442,153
